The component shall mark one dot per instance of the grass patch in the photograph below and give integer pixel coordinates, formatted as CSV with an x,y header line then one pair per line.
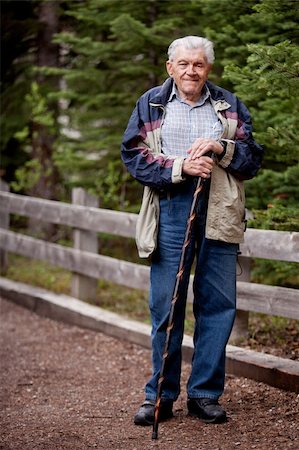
x,y
276,273
120,299
38,273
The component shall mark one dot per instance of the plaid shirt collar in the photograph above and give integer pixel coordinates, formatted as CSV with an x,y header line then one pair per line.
x,y
204,95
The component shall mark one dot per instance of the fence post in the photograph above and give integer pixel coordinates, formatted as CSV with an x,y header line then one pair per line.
x,y
4,223
84,287
240,328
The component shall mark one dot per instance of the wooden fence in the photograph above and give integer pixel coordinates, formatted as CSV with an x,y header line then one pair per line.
x,y
87,266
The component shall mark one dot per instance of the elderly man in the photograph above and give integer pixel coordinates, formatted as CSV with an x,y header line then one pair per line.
x,y
170,138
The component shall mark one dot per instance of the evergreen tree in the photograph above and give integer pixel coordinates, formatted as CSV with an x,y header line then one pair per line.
x,y
269,81
18,31
41,137
29,27
269,84
113,53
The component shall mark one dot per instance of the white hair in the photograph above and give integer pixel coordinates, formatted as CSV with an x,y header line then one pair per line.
x,y
193,42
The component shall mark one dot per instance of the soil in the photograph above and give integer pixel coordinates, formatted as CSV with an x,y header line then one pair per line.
x,y
63,387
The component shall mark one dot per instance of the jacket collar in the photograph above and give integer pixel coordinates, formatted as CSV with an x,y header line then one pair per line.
x,y
216,91
161,97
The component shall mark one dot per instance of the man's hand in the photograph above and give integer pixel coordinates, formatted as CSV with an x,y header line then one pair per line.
x,y
198,167
201,146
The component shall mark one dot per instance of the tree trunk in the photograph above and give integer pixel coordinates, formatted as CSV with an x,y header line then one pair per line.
x,y
153,57
43,139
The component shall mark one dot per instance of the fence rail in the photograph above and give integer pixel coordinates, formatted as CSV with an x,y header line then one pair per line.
x,y
77,216
89,220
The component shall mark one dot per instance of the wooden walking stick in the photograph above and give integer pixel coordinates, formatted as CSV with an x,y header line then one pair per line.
x,y
179,276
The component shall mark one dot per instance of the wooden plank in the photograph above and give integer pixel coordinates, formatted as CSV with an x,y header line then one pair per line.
x,y
93,265
83,287
4,223
271,244
277,245
279,372
272,300
87,218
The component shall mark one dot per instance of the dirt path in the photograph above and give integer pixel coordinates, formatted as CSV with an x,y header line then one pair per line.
x,y
67,388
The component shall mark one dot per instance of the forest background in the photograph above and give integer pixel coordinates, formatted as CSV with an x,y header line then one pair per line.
x,y
71,72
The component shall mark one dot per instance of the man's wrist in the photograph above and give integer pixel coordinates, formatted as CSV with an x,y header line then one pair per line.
x,y
185,162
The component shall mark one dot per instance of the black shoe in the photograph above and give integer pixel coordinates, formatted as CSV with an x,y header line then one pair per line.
x,y
146,412
206,409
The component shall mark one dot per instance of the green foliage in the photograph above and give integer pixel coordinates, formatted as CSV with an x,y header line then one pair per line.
x,y
275,273
18,30
111,184
269,80
28,175
266,78
270,84
38,111
271,186
230,36
273,198
113,52
276,217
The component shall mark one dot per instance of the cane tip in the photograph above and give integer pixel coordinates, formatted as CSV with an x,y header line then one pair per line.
x,y
155,435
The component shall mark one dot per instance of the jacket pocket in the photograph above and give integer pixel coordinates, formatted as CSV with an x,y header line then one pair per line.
x,y
147,223
234,210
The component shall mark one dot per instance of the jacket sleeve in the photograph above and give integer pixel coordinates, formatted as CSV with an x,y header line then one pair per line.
x,y
140,150
243,155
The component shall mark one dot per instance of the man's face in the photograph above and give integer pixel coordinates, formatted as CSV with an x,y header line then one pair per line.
x,y
190,71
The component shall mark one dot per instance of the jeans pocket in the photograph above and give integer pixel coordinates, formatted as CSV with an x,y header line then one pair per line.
x,y
224,255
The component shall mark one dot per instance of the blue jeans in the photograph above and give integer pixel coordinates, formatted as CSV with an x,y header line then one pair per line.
x,y
214,303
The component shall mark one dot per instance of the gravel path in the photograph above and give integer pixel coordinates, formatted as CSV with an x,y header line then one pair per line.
x,y
63,387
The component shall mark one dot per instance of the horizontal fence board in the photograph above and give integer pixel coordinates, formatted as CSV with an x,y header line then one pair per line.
x,y
83,217
273,300
85,263
269,244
